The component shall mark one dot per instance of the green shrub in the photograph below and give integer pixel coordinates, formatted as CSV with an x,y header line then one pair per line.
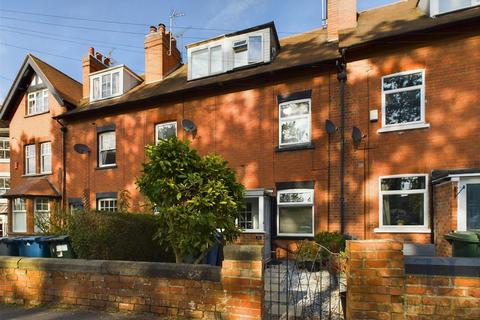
x,y
333,241
116,236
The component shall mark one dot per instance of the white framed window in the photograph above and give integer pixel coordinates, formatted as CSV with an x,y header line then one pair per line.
x,y
36,80
255,49
37,102
403,204
207,61
19,215
41,215
468,213
4,149
45,157
251,217
4,183
294,122
106,85
403,101
164,131
106,149
30,159
295,212
248,51
444,6
107,204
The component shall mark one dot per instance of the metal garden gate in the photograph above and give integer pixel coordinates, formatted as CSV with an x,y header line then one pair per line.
x,y
305,284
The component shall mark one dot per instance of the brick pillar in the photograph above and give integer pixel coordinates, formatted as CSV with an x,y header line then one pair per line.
x,y
375,279
445,215
242,281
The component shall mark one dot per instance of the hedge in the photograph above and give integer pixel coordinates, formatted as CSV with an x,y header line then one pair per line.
x,y
116,236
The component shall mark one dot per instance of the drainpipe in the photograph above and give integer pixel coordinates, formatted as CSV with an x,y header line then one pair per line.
x,y
342,79
64,130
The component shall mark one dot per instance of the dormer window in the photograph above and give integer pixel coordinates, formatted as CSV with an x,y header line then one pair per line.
x,y
438,7
111,82
231,51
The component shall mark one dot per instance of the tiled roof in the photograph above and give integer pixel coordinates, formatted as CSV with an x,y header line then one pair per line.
x,y
299,50
396,19
38,187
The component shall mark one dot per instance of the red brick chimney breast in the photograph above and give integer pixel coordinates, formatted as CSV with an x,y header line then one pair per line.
x,y
342,14
89,64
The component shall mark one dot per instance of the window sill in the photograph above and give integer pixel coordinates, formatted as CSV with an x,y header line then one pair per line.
x,y
36,175
4,160
296,235
307,146
402,229
404,127
253,231
36,114
107,167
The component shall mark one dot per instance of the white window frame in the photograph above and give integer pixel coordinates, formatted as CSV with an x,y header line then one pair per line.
x,y
280,120
100,164
16,212
208,48
99,76
42,212
4,149
261,215
31,158
45,155
101,204
158,125
296,204
435,9
407,125
4,175
425,228
261,49
462,199
31,97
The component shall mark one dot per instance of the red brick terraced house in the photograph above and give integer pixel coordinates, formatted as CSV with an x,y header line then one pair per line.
x,y
365,125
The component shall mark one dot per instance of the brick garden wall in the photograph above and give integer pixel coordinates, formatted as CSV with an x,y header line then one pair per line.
x,y
382,284
205,292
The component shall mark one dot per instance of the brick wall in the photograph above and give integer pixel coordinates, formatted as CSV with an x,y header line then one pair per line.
x,y
445,218
234,291
383,284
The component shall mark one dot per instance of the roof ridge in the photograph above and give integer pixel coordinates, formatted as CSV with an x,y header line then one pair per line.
x,y
384,5
315,30
54,68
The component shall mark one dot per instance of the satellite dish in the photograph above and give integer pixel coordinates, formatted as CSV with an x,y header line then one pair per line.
x,y
357,135
81,148
330,126
188,125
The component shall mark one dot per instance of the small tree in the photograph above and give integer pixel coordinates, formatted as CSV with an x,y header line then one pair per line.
x,y
195,196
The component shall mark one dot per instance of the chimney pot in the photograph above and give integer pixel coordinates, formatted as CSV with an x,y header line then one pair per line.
x,y
99,56
91,51
153,29
106,61
161,28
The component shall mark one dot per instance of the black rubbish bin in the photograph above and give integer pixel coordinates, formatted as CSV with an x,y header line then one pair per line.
x,y
60,247
8,246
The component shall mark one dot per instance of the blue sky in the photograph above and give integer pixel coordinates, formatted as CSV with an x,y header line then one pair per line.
x,y
62,42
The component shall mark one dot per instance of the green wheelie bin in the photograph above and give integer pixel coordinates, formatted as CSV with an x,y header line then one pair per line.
x,y
464,243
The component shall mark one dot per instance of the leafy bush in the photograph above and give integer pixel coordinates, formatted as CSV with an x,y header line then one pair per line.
x,y
333,241
194,195
116,236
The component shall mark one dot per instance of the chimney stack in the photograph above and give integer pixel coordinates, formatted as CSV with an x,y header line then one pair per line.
x,y
341,14
158,62
90,64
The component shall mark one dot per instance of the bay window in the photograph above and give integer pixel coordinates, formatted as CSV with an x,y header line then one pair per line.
x,y
403,101
19,215
4,184
41,216
37,102
249,216
4,149
404,203
294,122
106,149
295,212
